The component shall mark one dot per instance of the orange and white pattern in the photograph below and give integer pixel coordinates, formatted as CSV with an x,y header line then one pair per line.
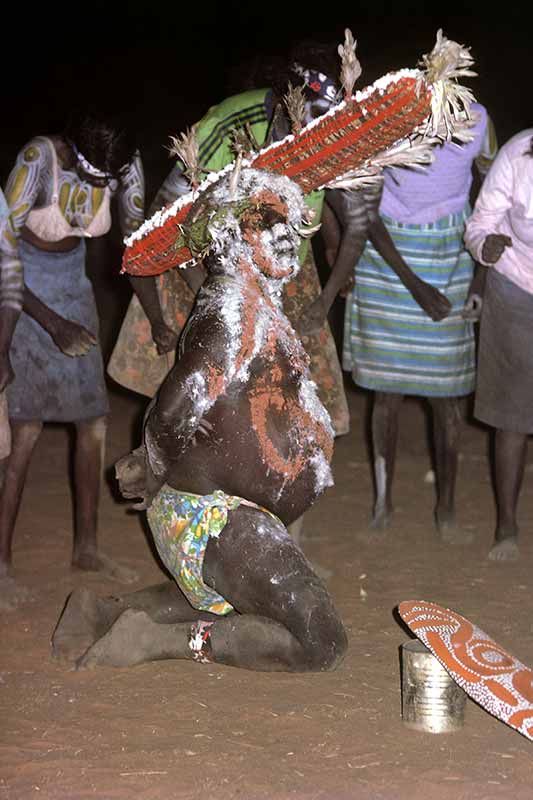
x,y
490,675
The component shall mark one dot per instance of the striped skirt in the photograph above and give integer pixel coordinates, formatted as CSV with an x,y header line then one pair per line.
x,y
390,344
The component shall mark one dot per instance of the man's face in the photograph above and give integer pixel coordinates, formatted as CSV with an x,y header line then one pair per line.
x,y
274,241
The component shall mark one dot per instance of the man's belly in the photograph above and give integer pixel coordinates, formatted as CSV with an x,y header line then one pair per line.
x,y
286,479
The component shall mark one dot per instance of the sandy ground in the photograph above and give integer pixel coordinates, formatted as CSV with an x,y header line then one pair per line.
x,y
181,730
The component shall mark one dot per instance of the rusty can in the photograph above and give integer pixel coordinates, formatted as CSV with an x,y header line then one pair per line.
x,y
431,700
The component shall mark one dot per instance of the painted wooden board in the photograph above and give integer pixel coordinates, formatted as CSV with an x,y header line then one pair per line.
x,y
490,675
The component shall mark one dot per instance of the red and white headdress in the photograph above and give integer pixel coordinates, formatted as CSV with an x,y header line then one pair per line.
x,y
394,122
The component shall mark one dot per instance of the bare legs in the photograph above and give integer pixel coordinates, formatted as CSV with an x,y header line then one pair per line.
x,y
24,438
509,463
90,446
88,468
384,441
446,425
286,618
446,420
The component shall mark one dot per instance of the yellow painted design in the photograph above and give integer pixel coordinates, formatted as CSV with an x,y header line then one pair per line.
x,y
97,198
138,202
11,238
17,186
74,198
19,211
81,198
64,196
31,153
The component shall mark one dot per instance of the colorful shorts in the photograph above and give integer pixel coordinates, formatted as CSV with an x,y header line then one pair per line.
x,y
181,524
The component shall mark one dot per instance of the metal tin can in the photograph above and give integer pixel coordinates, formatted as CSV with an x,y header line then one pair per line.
x,y
431,700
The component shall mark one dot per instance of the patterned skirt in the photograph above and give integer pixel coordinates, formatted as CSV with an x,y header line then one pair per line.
x,y
49,385
136,365
390,344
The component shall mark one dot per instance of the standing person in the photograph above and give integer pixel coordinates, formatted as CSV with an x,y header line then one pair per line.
x,y
59,193
499,234
135,362
393,346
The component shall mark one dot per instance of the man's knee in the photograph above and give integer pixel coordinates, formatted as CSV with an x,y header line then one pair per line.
x,y
319,629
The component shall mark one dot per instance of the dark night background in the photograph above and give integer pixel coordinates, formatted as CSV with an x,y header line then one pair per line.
x,y
161,65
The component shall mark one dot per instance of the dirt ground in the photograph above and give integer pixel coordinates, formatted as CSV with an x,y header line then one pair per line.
x,y
182,730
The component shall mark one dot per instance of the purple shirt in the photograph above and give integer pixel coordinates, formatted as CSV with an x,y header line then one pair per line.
x,y
418,197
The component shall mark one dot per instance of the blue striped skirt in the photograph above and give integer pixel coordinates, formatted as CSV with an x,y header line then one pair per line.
x,y
390,344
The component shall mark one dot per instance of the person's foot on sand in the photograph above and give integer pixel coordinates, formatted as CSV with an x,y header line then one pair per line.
x,y
127,643
449,531
13,594
505,550
80,624
106,566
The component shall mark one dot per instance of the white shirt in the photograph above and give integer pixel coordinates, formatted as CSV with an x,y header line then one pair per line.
x,y
505,205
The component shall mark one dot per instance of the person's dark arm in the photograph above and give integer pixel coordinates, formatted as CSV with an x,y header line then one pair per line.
x,y
358,213
145,288
70,337
430,300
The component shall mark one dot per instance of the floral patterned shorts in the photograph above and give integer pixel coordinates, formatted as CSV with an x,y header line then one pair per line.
x,y
181,525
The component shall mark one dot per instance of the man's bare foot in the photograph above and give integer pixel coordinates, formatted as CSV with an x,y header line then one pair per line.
x,y
126,643
505,550
81,624
381,518
12,594
98,562
372,536
449,531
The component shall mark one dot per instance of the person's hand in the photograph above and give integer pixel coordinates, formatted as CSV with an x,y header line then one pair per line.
x,y
472,308
71,338
136,479
312,319
165,339
348,286
6,371
493,247
130,471
430,300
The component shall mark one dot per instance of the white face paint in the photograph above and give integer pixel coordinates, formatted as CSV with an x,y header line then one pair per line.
x,y
280,243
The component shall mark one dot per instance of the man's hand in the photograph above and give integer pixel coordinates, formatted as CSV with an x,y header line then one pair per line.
x,y
165,338
72,339
430,300
135,478
348,286
493,247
